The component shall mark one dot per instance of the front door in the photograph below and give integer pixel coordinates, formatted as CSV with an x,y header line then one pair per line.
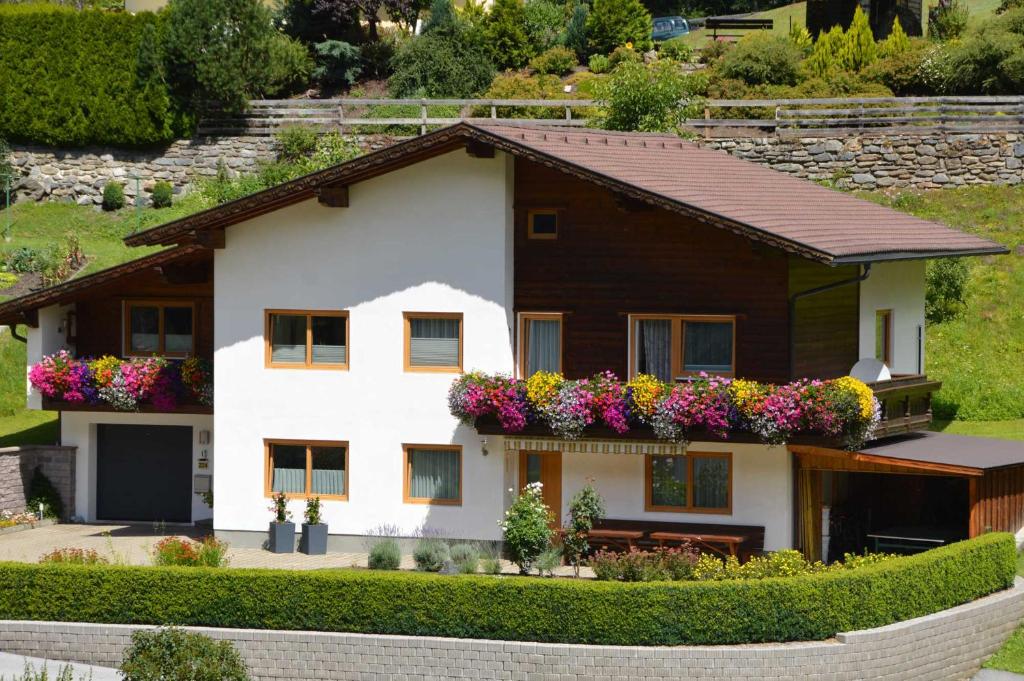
x,y
545,468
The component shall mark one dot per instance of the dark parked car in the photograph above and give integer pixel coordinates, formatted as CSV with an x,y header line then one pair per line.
x,y
669,27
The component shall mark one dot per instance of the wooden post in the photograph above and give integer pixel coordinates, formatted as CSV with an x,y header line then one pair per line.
x,y
494,111
423,116
809,493
707,117
341,116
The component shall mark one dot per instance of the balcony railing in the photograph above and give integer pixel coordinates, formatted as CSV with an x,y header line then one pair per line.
x,y
906,404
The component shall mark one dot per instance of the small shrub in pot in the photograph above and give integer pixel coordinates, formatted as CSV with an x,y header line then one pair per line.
x,y
385,555
314,532
282,530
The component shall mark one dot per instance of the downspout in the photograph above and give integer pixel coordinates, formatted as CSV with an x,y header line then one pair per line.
x,y
793,299
14,333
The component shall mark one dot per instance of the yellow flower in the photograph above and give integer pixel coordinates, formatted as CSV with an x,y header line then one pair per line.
x,y
104,369
744,392
646,391
865,397
629,46
542,387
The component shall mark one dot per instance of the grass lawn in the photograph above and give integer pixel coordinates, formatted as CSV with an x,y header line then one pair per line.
x,y
1006,430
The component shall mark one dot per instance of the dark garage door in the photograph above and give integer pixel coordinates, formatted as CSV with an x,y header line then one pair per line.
x,y
144,473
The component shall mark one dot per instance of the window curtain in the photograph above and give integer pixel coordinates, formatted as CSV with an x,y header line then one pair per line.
x,y
288,339
434,342
289,469
668,481
178,329
710,482
329,340
654,348
145,329
708,347
544,347
434,474
328,470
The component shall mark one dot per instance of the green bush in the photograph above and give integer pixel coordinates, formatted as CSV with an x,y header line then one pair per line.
x,y
825,54
7,172
385,555
990,60
812,607
295,142
518,85
181,551
77,78
576,31
526,527
442,63
647,97
599,63
377,56
896,42
289,66
902,72
169,653
945,283
113,195
585,508
505,34
677,49
466,558
545,24
762,58
430,555
947,20
338,64
163,194
624,53
42,491
859,48
557,61
614,23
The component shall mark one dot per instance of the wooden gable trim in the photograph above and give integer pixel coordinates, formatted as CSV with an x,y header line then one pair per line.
x,y
837,459
333,196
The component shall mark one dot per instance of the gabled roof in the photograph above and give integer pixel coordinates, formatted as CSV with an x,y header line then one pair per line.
x,y
16,310
794,215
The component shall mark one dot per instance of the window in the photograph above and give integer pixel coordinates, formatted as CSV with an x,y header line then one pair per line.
x,y
159,328
301,339
307,469
671,346
433,474
540,342
699,482
433,341
542,224
883,337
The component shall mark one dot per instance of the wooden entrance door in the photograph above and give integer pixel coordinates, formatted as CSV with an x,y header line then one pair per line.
x,y
545,468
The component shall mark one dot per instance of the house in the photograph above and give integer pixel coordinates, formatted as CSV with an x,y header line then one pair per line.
x,y
338,308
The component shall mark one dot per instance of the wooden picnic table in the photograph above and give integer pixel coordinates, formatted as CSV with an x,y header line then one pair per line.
x,y
625,539
719,543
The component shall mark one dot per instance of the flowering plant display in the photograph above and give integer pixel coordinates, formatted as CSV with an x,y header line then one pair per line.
x,y
844,408
124,384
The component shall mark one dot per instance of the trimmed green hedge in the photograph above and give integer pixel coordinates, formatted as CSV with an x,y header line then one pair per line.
x,y
515,608
82,77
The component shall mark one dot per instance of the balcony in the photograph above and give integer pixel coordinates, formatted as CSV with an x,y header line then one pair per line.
x,y
906,403
147,385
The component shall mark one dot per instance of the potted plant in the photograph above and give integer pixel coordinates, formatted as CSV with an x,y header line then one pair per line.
x,y
314,532
282,529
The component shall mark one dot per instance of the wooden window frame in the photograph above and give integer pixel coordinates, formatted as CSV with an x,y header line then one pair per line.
x,y
524,339
689,508
531,213
888,331
268,361
407,475
407,318
268,465
160,305
678,340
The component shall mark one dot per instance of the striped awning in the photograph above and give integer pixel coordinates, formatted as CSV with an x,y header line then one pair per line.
x,y
542,444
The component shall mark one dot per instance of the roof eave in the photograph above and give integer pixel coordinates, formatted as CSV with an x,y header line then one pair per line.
x,y
864,258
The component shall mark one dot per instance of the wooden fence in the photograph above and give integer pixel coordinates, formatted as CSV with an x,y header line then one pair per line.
x,y
782,117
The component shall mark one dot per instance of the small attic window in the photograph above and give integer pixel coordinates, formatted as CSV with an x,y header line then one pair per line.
x,y
543,224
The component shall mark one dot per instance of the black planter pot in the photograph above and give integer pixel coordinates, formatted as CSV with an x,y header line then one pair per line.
x,y
282,538
314,539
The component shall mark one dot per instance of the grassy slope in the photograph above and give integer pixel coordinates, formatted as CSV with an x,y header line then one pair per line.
x,y
978,357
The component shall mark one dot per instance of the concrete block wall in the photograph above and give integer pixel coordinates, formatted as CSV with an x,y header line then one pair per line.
x,y
949,645
17,466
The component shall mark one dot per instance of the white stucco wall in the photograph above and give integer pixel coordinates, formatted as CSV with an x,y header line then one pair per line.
x,y
762,488
78,429
432,237
46,339
896,286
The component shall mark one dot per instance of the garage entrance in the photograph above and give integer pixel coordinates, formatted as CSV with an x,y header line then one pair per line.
x,y
144,473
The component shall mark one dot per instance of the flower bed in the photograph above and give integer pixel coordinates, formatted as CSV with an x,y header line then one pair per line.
x,y
844,408
124,384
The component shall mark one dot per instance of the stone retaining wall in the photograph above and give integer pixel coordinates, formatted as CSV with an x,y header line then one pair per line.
x,y
866,162
947,645
18,464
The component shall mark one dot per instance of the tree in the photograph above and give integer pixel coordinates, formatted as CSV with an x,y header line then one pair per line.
x,y
896,42
825,55
648,98
341,11
576,31
947,20
859,49
505,35
307,20
585,509
217,52
614,23
526,527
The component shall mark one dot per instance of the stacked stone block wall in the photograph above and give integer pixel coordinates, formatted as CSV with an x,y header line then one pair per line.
x,y
949,645
18,465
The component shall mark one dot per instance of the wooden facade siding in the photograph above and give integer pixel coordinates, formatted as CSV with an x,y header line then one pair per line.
x,y
613,259
997,501
826,328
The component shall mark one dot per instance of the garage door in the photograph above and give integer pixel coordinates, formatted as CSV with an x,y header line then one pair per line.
x,y
144,473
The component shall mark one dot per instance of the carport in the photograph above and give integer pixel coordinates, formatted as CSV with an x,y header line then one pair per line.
x,y
906,493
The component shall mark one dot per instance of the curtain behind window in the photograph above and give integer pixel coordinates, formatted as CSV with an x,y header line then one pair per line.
x,y
289,474
328,470
708,347
654,348
145,329
710,482
434,342
178,329
329,346
288,338
544,345
668,481
434,474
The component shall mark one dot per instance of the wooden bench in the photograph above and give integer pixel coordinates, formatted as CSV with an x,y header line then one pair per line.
x,y
718,543
623,539
730,24
751,536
